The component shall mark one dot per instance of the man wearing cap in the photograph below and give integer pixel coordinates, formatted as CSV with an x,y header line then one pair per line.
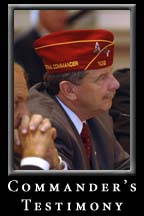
x,y
76,95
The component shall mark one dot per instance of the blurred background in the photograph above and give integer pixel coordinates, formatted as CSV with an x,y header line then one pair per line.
x,y
117,21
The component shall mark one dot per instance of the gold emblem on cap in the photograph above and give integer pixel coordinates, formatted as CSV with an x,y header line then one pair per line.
x,y
102,63
62,65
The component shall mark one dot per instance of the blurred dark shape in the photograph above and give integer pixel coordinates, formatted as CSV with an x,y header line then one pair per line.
x,y
120,110
77,16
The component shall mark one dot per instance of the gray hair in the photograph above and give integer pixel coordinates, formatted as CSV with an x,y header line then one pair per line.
x,y
51,81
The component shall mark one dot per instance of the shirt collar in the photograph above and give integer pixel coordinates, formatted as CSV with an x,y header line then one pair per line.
x,y
74,118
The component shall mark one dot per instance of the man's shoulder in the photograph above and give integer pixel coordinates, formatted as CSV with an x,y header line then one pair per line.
x,y
40,101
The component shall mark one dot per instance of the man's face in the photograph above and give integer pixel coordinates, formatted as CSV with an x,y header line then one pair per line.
x,y
20,109
96,90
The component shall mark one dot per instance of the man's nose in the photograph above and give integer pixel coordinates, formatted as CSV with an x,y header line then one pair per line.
x,y
115,83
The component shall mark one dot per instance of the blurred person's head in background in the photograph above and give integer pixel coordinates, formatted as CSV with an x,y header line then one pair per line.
x,y
52,20
43,22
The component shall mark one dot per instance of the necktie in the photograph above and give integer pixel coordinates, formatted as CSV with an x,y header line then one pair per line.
x,y
86,139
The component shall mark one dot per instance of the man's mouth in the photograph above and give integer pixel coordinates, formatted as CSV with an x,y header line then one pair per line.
x,y
109,96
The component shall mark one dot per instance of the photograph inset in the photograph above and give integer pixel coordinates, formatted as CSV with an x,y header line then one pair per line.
x,y
71,82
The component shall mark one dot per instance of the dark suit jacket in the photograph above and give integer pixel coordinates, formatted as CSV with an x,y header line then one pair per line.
x,y
106,152
25,55
120,110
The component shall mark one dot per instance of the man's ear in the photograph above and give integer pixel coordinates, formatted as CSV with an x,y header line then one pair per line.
x,y
68,89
